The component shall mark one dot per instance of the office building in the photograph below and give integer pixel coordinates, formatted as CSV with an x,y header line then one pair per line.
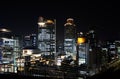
x,y
47,36
70,38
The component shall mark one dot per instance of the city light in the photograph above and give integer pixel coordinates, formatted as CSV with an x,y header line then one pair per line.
x,y
4,30
76,46
41,24
80,40
50,22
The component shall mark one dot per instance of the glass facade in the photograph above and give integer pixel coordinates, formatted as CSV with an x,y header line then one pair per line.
x,y
47,37
83,53
30,41
70,38
8,54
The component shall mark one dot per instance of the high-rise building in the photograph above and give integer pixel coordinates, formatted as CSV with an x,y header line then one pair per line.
x,y
112,50
82,49
70,38
117,42
94,48
47,36
10,52
30,41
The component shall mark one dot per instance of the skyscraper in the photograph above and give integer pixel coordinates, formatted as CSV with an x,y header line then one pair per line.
x,y
70,38
82,49
47,36
94,49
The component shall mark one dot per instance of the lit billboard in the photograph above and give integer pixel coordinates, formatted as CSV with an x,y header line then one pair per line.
x,y
27,52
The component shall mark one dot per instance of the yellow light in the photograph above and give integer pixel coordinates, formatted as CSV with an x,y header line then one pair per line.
x,y
80,40
50,22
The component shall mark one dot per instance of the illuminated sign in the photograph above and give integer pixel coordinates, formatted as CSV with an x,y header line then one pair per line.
x,y
27,52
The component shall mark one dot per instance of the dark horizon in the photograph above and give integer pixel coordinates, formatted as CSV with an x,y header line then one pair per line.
x,y
22,17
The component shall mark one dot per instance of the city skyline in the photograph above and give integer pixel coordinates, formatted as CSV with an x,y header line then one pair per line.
x,y
22,17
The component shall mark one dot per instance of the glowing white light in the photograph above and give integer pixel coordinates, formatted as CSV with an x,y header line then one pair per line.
x,y
4,30
41,24
27,52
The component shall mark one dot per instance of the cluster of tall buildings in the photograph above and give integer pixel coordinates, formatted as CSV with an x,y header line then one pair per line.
x,y
85,48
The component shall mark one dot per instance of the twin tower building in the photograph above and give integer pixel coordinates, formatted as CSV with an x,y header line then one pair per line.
x,y
47,38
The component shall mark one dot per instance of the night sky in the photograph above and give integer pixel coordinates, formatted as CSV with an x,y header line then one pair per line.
x,y
22,17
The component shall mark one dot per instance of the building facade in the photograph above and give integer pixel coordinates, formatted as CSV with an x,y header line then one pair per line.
x,y
70,38
30,41
10,50
47,36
